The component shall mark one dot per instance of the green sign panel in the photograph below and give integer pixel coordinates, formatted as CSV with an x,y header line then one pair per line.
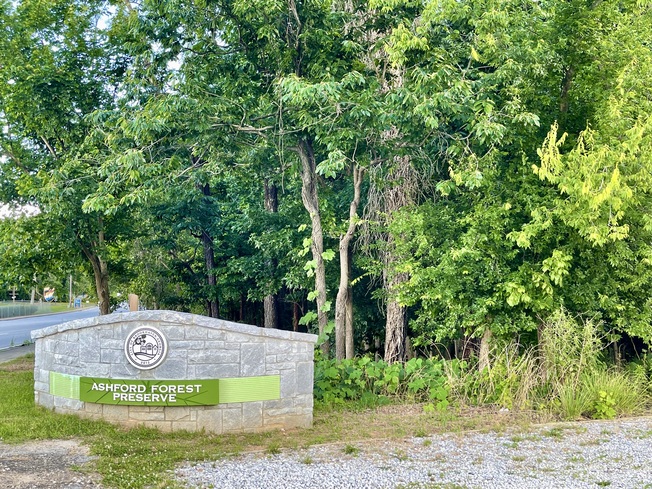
x,y
149,392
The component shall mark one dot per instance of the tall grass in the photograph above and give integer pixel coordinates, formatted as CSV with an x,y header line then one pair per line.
x,y
564,375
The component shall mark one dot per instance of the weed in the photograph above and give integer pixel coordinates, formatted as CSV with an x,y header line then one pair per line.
x,y
307,460
603,483
401,455
351,450
554,433
427,443
518,458
273,449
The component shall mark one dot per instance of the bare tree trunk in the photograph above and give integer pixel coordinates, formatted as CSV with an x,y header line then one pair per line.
x,y
396,325
310,200
485,346
100,267
350,347
209,260
344,297
101,275
295,316
270,303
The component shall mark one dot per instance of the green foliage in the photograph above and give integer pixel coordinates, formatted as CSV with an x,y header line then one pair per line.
x,y
605,406
362,379
564,375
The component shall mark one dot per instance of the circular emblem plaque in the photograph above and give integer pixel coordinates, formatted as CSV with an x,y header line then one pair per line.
x,y
146,348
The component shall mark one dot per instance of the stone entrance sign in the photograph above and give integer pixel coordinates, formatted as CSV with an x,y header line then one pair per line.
x,y
176,371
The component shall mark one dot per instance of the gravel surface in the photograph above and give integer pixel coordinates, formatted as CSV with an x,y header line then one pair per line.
x,y
614,454
46,464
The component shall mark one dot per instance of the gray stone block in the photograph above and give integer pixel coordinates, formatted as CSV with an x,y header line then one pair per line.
x,y
67,348
114,357
177,413
232,420
171,368
185,345
96,369
174,333
122,371
195,333
213,357
95,410
215,371
44,399
106,332
252,415
305,381
252,359
113,412
278,348
216,334
146,415
88,346
71,404
184,426
288,384
210,420
65,360
41,375
112,344
211,345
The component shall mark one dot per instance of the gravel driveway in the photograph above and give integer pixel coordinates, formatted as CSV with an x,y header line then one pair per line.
x,y
591,454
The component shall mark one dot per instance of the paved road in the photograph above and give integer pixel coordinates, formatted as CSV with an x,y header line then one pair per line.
x,y
15,332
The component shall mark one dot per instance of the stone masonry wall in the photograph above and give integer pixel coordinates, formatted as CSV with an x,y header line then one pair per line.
x,y
198,348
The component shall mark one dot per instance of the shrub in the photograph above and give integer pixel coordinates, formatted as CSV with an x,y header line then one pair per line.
x,y
418,380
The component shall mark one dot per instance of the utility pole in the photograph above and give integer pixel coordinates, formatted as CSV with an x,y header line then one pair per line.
x,y
70,301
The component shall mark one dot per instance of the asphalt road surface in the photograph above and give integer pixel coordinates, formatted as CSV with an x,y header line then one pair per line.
x,y
14,332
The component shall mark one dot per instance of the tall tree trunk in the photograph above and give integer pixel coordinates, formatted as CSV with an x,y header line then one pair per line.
x,y
396,324
295,316
565,89
343,327
404,186
270,303
100,267
209,260
350,347
310,199
485,347
101,275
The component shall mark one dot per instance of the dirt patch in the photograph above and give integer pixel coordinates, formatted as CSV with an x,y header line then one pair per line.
x,y
46,464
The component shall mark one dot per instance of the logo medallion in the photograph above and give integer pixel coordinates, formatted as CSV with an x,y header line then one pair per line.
x,y
146,348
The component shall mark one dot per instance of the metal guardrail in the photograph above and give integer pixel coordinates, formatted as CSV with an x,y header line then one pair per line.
x,y
10,309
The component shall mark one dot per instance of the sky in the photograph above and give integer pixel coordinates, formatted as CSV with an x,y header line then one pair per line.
x,y
7,211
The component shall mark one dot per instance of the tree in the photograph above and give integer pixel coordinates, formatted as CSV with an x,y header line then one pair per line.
x,y
58,67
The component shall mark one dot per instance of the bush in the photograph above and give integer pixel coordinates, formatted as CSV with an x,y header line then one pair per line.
x,y
418,380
